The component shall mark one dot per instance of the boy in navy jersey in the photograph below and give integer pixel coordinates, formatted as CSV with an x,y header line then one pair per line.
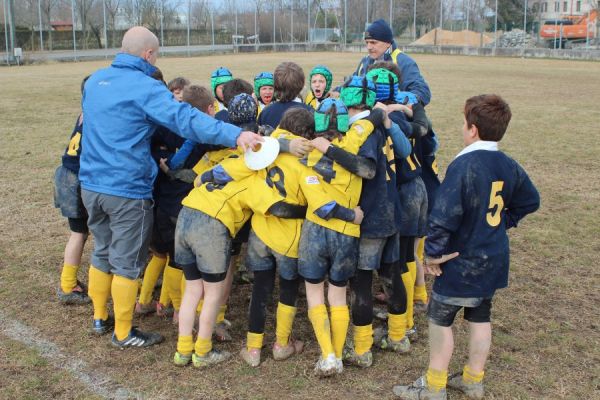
x,y
484,194
67,197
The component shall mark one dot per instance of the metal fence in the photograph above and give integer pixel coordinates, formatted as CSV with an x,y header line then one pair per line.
x,y
83,25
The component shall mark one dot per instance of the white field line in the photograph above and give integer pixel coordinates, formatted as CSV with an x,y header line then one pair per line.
x,y
97,383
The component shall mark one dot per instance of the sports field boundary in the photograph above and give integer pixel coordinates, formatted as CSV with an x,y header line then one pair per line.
x,y
96,382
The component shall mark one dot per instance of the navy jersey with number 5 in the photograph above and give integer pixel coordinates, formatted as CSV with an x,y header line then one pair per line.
x,y
483,194
70,158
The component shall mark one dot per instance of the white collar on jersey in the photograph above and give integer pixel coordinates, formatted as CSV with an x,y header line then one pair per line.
x,y
360,115
479,145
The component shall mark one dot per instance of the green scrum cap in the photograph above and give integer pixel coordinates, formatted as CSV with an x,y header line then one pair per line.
x,y
386,84
358,90
322,70
262,79
219,76
326,109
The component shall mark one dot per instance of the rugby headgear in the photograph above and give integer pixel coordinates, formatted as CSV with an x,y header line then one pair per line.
x,y
218,77
326,109
386,84
242,109
358,90
322,70
262,79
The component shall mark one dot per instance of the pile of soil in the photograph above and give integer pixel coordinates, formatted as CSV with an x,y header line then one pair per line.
x,y
450,38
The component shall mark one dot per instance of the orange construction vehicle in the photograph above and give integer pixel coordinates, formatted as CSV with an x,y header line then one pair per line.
x,y
570,31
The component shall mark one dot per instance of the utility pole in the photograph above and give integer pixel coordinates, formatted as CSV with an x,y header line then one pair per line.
x,y
391,15
189,14
73,29
496,26
41,28
105,32
415,20
525,16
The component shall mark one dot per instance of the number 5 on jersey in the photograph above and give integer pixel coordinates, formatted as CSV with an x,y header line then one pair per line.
x,y
494,215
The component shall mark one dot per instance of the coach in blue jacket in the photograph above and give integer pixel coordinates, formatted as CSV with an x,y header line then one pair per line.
x,y
123,105
382,47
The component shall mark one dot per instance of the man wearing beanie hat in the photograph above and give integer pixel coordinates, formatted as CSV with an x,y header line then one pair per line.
x,y
381,46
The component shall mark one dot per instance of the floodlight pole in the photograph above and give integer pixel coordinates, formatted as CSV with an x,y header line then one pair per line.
x,y
41,29
212,27
73,29
496,26
415,20
5,31
367,16
255,26
274,25
525,16
468,12
162,39
391,15
307,22
345,23
292,25
105,32
189,14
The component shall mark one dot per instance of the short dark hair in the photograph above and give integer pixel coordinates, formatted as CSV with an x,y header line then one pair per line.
x,y
158,75
178,83
490,114
198,97
288,81
234,87
299,121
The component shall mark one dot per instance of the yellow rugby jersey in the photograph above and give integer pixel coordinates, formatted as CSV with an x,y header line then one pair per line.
x,y
328,181
212,158
283,177
311,100
232,203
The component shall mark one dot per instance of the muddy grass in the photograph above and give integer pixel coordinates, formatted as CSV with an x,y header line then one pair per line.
x,y
546,329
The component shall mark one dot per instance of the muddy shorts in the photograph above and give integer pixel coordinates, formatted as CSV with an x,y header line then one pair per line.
x,y
67,194
413,201
373,252
326,252
262,258
202,246
442,309
121,228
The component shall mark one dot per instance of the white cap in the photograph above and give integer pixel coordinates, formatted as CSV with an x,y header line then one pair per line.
x,y
264,156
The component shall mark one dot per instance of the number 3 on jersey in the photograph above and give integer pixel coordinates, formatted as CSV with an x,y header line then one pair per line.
x,y
74,144
496,206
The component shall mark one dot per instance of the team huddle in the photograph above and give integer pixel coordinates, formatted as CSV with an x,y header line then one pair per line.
x,y
340,187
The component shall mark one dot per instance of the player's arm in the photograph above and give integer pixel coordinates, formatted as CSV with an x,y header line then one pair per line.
x,y
334,210
281,209
525,200
412,80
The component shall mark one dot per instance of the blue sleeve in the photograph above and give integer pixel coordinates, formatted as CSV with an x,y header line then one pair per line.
x,y
334,210
179,158
186,121
412,80
447,213
402,145
525,200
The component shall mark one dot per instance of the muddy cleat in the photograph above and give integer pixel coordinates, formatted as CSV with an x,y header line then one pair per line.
x,y
102,326
281,353
181,360
339,366
144,309
471,390
252,356
211,358
221,332
412,332
163,311
351,358
77,296
137,338
398,346
327,366
418,390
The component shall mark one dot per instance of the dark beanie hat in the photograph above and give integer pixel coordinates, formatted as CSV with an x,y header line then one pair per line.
x,y
380,30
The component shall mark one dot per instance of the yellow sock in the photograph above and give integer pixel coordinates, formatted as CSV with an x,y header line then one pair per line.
x,y
99,290
396,326
124,291
221,314
436,380
320,323
153,271
340,319
412,268
172,279
421,249
185,344
420,293
284,322
470,377
363,339
203,346
165,298
199,308
409,284
254,340
68,277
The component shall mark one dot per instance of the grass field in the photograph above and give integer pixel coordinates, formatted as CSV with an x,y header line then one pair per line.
x,y
546,341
